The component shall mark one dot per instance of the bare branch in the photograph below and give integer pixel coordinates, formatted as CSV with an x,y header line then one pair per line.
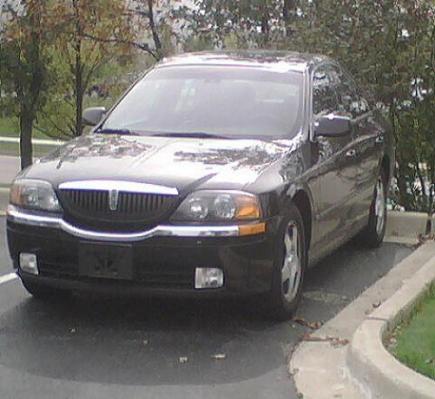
x,y
141,46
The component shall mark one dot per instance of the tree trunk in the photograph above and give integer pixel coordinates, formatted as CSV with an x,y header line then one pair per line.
x,y
79,97
288,14
430,210
78,70
26,150
153,27
403,195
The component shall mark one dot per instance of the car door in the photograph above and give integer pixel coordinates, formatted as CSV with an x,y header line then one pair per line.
x,y
368,144
334,163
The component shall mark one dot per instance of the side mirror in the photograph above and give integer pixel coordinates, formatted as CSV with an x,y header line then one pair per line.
x,y
93,116
333,126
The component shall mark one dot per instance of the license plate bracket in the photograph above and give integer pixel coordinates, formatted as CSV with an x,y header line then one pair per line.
x,y
106,261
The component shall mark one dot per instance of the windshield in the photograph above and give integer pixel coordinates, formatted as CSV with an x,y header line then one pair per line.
x,y
231,102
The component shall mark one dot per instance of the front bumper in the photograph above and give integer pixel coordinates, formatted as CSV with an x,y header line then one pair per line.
x,y
164,261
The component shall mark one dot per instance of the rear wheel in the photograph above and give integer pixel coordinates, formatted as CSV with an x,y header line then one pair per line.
x,y
373,235
44,293
290,264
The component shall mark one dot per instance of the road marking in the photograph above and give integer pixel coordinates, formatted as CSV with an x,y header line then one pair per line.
x,y
8,277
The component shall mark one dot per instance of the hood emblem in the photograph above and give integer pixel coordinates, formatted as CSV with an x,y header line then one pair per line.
x,y
113,199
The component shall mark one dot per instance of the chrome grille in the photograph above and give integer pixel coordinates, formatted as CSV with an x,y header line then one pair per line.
x,y
87,200
138,203
94,200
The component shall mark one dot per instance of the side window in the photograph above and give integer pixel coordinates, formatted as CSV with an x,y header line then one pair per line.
x,y
351,103
325,100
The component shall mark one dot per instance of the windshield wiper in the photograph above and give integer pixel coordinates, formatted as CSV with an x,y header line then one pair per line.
x,y
199,135
115,131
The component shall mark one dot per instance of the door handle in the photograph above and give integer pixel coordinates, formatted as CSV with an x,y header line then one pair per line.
x,y
351,154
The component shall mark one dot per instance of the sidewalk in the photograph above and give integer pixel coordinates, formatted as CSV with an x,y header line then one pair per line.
x,y
9,167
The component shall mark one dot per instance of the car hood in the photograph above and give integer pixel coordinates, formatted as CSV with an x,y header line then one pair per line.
x,y
183,163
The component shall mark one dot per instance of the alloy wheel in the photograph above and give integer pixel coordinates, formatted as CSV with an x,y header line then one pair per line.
x,y
380,206
291,272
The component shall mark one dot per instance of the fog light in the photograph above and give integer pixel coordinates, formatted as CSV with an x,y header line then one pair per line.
x,y
208,278
28,263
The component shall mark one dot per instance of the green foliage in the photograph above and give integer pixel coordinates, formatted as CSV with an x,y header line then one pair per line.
x,y
107,82
24,66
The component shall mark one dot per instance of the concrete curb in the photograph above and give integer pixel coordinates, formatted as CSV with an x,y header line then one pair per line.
x,y
320,364
406,226
380,373
16,140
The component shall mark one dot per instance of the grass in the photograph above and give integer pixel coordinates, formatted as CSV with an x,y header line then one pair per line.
x,y
9,127
13,149
415,344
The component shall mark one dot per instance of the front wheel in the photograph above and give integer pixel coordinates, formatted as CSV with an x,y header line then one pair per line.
x,y
373,235
290,264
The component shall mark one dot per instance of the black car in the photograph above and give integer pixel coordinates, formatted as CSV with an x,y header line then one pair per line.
x,y
216,174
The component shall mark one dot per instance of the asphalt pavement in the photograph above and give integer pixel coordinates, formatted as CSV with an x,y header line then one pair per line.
x,y
94,348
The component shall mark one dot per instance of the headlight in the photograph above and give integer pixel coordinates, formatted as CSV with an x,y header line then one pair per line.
x,y
34,194
218,206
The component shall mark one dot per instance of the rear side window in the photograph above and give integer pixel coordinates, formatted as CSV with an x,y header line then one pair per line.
x,y
351,102
325,98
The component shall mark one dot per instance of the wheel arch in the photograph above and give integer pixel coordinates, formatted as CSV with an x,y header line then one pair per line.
x,y
302,201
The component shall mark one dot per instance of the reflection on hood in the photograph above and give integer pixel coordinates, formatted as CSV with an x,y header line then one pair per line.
x,y
175,162
99,146
252,156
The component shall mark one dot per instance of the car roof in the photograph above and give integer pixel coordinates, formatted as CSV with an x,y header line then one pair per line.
x,y
267,59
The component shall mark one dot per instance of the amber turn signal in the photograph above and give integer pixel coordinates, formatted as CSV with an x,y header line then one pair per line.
x,y
252,229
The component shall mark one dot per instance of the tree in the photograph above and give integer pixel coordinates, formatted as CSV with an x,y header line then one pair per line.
x,y
151,24
80,54
244,23
23,65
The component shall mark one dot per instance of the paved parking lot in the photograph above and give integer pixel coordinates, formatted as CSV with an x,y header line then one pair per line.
x,y
88,348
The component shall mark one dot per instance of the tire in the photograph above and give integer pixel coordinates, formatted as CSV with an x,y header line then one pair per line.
x,y
43,293
288,275
373,234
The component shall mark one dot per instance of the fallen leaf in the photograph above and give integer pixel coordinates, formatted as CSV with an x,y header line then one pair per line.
x,y
312,325
334,341
219,356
